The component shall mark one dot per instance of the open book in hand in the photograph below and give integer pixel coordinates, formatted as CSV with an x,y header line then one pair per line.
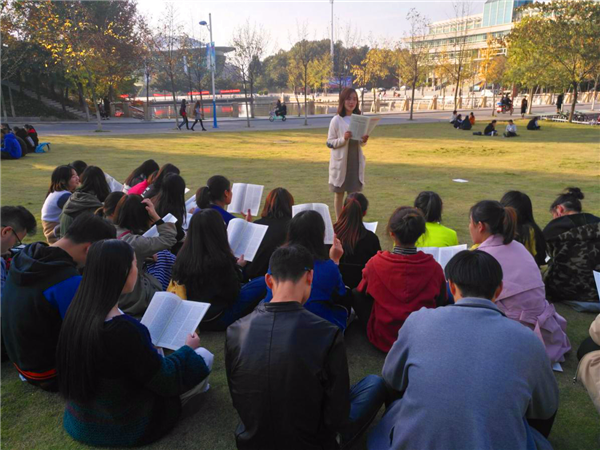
x,y
245,197
153,231
170,320
362,125
113,184
245,237
190,203
443,254
322,209
186,222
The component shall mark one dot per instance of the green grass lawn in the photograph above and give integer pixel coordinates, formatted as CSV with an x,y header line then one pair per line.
x,y
402,160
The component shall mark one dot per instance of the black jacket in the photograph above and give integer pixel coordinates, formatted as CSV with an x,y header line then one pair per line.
x,y
352,265
490,127
41,283
288,378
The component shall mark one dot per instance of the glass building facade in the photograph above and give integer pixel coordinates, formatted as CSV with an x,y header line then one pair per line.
x,y
500,12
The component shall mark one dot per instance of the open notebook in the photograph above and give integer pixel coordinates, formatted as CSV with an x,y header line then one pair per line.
x,y
170,320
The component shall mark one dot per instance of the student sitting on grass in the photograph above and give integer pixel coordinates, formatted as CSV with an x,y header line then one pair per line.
x,y
287,369
472,118
490,129
11,149
140,174
276,214
360,244
396,284
573,242
589,362
41,283
533,124
468,377
523,296
79,166
308,230
436,234
206,271
528,232
466,124
120,391
63,182
458,121
154,188
134,216
453,118
171,200
86,199
511,129
110,205
216,195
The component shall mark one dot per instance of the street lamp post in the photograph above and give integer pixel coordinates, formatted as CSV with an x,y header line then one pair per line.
x,y
212,67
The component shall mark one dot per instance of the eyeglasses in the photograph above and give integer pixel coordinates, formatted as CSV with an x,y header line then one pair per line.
x,y
17,236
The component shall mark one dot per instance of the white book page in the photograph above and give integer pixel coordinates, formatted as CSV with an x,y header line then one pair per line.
x,y
446,253
184,321
374,120
433,251
254,193
190,203
252,237
153,231
235,234
358,126
238,197
322,209
597,279
186,222
157,316
186,190
371,226
113,184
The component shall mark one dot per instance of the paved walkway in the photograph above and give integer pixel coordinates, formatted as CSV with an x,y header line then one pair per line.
x,y
122,126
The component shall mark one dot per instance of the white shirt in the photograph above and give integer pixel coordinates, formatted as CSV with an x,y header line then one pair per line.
x,y
51,211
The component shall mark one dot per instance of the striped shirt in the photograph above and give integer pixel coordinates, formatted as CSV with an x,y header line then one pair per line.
x,y
404,251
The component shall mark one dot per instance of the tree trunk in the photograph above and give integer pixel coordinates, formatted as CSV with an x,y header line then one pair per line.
x,y
3,105
63,99
20,80
530,103
456,89
574,103
172,76
412,100
12,104
493,100
297,101
594,92
251,82
248,113
305,103
98,118
82,100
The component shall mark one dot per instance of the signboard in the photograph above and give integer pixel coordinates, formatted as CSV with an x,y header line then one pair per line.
x,y
334,83
210,56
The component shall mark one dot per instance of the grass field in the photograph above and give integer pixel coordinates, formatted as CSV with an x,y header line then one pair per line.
x,y
402,160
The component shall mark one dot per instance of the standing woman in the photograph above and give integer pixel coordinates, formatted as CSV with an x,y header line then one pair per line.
x,y
183,114
198,116
63,182
347,162
120,391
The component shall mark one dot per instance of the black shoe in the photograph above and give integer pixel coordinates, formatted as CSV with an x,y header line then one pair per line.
x,y
193,129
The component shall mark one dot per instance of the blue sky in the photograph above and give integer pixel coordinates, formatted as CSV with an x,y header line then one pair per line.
x,y
379,20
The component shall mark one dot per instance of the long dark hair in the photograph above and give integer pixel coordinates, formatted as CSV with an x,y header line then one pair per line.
x,y
205,255
344,95
79,343
110,204
307,228
93,181
131,214
171,198
162,173
499,219
59,181
278,204
525,221
144,170
570,199
214,191
430,205
349,228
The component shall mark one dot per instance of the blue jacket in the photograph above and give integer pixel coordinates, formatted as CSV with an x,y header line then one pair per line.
x,y
470,377
12,146
41,283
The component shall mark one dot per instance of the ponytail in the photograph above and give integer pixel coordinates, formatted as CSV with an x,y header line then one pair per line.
x,y
349,228
214,191
498,219
570,199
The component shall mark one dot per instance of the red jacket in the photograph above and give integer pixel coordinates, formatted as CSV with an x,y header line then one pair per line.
x,y
399,285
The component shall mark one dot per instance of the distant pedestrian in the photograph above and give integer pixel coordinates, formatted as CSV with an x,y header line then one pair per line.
x,y
472,118
183,114
559,103
107,108
198,116
523,107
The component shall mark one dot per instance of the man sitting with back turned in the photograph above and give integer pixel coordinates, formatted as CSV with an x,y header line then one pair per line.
x,y
41,283
287,369
470,378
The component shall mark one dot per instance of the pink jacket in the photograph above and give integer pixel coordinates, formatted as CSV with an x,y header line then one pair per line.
x,y
523,296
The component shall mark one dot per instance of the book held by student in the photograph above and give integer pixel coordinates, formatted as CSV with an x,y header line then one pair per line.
x,y
362,126
443,254
322,209
245,197
245,237
170,320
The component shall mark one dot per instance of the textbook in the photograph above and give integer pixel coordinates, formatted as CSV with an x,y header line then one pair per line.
x,y
170,320
245,237
186,223
362,125
371,226
245,197
443,254
190,203
322,209
153,231
113,184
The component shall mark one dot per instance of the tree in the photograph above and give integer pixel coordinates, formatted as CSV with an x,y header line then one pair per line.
x,y
275,73
565,34
492,66
374,67
319,71
302,54
412,60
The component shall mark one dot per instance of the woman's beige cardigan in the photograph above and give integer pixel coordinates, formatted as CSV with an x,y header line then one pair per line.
x,y
338,162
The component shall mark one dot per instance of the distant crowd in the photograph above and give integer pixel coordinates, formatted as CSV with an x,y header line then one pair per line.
x,y
469,347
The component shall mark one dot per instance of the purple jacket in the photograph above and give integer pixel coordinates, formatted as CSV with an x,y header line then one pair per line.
x,y
523,296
